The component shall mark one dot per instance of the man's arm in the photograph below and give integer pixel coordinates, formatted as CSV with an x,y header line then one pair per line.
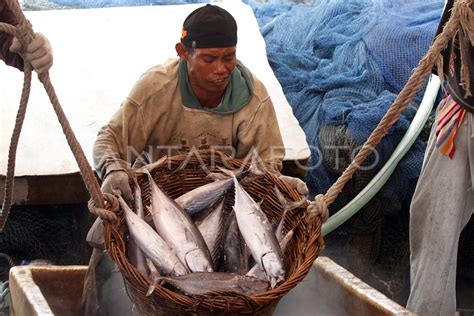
x,y
262,133
11,59
118,142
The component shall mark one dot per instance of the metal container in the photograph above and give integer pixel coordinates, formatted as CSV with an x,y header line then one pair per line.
x,y
329,289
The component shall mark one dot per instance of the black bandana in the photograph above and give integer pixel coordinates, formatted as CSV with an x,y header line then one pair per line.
x,y
209,26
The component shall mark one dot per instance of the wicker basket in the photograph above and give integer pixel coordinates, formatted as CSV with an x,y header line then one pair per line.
x,y
183,173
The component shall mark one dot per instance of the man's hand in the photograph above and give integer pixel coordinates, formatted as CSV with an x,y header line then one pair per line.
x,y
39,52
118,180
296,184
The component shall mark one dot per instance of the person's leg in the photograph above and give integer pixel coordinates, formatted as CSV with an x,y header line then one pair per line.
x,y
113,298
90,301
440,208
104,289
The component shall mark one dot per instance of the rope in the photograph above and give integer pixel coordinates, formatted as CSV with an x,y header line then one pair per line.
x,y
9,180
24,32
410,89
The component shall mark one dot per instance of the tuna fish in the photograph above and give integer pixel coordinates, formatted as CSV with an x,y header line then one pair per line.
x,y
200,198
178,230
152,245
259,235
256,271
135,254
235,258
202,283
211,224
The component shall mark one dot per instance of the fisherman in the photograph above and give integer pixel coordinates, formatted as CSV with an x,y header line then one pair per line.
x,y
38,52
443,200
206,99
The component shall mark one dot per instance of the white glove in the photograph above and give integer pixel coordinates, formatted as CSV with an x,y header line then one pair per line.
x,y
118,180
296,184
39,52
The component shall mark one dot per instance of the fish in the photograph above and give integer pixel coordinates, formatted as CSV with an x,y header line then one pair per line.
x,y
152,245
205,282
259,235
211,224
287,206
178,230
256,271
235,258
135,255
199,199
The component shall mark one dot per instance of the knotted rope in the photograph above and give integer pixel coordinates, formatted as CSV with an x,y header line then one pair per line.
x,y
24,32
461,20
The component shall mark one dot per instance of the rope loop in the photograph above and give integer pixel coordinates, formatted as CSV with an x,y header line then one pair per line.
x,y
319,207
108,212
24,33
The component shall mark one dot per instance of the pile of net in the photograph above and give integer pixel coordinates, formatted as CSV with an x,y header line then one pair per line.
x,y
341,63
196,280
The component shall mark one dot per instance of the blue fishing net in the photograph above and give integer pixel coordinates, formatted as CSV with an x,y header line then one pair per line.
x,y
342,62
401,36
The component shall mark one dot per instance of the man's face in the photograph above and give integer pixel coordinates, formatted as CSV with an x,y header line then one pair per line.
x,y
209,69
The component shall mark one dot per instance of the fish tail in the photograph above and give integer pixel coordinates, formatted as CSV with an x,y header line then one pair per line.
x,y
228,172
151,166
273,282
150,289
255,167
287,206
154,276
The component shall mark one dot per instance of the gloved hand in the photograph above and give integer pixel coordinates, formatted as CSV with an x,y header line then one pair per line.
x,y
296,184
39,52
118,180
